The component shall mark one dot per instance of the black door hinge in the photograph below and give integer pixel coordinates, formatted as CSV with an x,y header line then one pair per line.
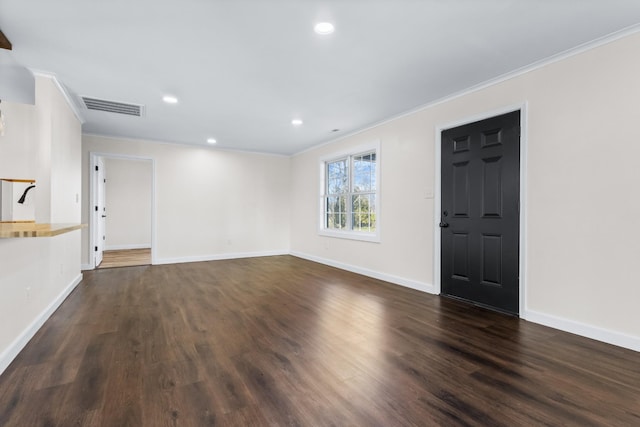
x,y
96,209
96,249
96,168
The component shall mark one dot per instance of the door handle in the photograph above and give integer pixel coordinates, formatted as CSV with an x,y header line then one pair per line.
x,y
442,223
104,216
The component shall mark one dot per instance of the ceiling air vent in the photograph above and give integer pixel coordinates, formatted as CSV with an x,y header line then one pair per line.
x,y
113,106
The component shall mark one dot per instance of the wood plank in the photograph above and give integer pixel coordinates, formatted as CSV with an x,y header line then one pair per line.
x,y
30,181
284,341
4,42
13,230
125,258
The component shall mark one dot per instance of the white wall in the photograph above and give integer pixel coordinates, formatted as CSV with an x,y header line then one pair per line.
x,y
128,202
41,142
65,153
209,204
582,208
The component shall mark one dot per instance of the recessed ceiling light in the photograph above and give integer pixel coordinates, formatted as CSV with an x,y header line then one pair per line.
x,y
324,28
211,140
170,99
296,122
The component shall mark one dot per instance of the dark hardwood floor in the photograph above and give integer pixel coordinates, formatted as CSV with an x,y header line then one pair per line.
x,y
283,341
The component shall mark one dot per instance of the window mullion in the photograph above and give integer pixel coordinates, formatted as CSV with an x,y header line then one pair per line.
x,y
348,206
350,202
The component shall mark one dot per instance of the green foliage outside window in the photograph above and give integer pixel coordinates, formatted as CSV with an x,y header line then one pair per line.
x,y
350,201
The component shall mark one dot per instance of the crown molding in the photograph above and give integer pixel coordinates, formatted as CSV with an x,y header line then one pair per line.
x,y
585,47
63,90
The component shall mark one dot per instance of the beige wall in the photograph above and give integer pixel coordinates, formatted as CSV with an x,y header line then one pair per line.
x,y
209,203
581,202
41,142
406,175
128,202
66,145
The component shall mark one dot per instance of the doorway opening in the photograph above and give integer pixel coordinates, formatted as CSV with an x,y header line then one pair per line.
x,y
123,210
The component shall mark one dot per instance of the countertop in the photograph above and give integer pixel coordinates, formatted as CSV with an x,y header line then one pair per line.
x,y
10,230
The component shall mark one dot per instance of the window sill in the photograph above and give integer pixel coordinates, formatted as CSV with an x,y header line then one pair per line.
x,y
351,235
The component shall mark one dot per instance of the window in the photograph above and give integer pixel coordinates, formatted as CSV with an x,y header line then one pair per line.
x,y
350,196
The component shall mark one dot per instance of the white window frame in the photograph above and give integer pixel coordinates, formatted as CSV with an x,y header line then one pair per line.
x,y
347,233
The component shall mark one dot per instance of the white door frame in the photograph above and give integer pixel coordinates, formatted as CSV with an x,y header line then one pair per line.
x,y
523,195
98,219
93,232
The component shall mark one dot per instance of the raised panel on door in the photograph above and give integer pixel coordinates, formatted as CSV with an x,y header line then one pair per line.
x,y
460,187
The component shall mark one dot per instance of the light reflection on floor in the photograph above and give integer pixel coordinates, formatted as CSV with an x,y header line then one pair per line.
x,y
350,334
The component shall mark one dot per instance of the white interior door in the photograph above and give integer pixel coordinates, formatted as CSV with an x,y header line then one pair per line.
x,y
100,211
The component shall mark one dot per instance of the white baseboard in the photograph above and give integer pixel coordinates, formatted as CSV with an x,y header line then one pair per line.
x,y
583,329
407,283
566,325
10,353
85,267
127,247
218,257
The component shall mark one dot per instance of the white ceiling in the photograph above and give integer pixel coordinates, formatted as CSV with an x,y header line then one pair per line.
x,y
243,69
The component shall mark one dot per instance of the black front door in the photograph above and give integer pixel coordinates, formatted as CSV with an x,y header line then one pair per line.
x,y
480,212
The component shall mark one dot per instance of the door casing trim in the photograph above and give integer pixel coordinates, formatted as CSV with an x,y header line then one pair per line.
x,y
93,161
437,256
